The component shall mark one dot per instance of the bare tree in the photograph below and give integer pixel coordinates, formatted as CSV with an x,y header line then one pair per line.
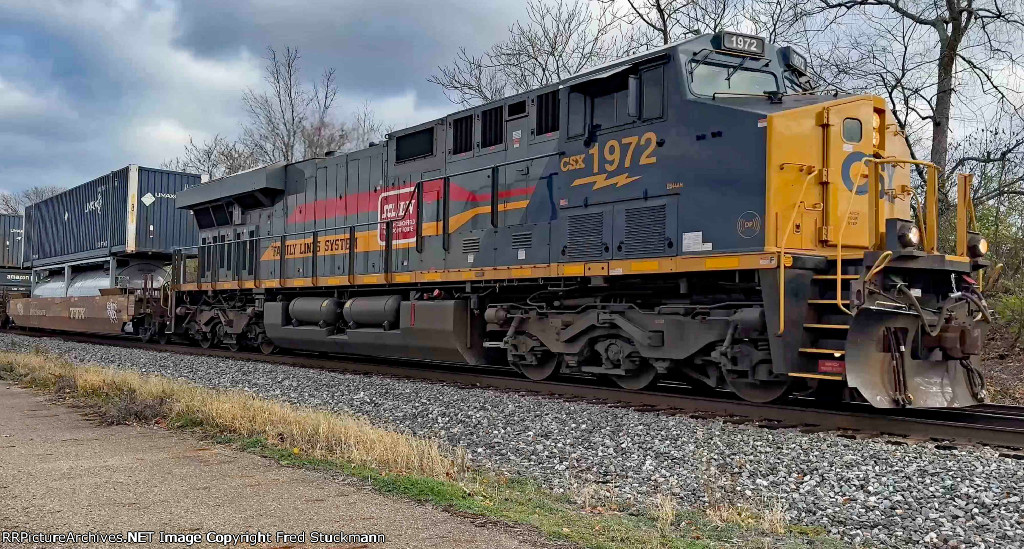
x,y
14,203
203,159
365,128
215,158
652,23
277,117
9,204
321,133
656,21
958,45
780,21
236,157
557,39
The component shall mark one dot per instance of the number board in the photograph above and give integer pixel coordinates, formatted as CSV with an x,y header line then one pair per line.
x,y
743,43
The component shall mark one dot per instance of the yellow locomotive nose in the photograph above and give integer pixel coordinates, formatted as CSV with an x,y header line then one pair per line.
x,y
847,199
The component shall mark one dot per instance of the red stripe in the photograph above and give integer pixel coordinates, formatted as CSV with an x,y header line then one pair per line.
x,y
368,202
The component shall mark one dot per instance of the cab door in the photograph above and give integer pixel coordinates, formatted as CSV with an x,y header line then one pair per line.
x,y
847,133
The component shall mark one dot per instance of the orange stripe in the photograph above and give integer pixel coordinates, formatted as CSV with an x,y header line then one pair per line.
x,y
368,241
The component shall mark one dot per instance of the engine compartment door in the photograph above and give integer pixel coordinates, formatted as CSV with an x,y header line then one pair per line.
x,y
847,134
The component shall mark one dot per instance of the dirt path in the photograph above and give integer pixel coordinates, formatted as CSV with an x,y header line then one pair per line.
x,y
60,472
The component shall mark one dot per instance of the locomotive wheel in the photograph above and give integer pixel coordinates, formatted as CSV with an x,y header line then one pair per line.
x,y
640,378
760,391
233,346
206,341
547,366
163,337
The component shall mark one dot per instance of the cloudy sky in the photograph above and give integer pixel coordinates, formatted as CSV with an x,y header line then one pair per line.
x,y
93,85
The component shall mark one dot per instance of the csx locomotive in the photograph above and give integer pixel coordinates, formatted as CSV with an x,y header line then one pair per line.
x,y
698,211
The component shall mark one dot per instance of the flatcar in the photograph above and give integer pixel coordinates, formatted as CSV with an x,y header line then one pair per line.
x,y
697,211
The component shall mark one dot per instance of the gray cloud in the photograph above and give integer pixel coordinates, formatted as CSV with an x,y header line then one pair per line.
x,y
90,86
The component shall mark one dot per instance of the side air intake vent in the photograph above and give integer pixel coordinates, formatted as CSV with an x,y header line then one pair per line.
x,y
644,231
471,245
585,236
522,240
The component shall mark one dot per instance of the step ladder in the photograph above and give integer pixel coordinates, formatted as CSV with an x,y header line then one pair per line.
x,y
827,325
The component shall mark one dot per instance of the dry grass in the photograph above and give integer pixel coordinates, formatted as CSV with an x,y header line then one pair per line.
x,y
129,397
727,506
663,512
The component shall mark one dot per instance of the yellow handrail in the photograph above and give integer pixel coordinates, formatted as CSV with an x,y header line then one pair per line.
x,y
931,202
965,218
785,237
931,214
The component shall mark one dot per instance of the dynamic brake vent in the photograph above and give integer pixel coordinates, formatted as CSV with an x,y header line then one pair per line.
x,y
585,236
522,240
644,231
471,245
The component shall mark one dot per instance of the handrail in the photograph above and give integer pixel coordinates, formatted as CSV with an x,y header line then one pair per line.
x,y
931,224
965,216
782,255
931,203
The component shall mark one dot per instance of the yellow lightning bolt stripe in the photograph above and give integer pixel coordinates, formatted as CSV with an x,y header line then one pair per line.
x,y
602,180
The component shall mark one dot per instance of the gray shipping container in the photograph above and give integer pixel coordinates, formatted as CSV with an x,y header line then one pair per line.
x,y
11,240
128,211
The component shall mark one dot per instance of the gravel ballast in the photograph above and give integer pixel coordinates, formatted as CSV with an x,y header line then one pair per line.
x,y
864,491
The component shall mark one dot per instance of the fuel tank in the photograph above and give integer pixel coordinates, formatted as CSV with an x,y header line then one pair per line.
x,y
315,310
373,311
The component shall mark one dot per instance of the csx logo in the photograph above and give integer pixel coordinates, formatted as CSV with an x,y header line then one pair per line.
x,y
575,162
855,176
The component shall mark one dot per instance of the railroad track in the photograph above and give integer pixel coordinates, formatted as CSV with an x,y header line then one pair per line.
x,y
995,425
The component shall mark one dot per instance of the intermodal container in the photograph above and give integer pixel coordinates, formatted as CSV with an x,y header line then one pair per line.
x,y
11,240
128,211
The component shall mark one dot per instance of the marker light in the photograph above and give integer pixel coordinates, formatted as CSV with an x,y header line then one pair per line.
x,y
977,246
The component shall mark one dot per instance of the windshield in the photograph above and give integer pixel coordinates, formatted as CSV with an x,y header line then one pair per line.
x,y
709,79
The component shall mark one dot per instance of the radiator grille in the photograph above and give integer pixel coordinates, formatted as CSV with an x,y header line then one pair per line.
x,y
471,245
644,231
522,240
585,236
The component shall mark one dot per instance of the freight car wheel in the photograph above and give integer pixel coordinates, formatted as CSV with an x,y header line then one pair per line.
x,y
147,333
150,331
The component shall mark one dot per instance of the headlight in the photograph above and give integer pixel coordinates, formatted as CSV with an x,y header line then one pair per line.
x,y
910,236
977,246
